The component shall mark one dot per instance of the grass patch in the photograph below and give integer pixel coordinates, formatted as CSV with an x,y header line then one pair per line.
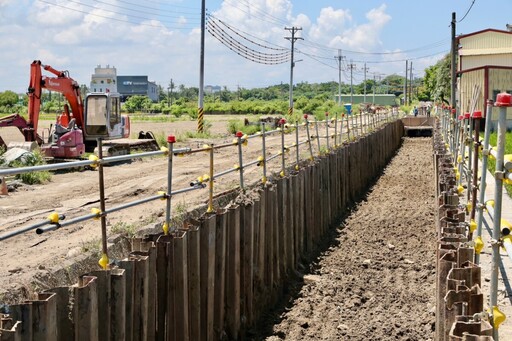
x,y
122,228
238,125
93,246
31,178
491,165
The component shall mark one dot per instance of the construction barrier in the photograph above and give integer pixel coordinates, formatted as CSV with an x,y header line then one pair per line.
x,y
215,276
460,313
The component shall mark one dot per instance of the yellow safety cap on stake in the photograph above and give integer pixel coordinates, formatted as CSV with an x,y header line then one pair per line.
x,y
490,203
103,262
479,244
460,189
457,175
459,159
260,160
200,179
505,223
281,174
165,228
94,158
469,206
236,166
207,146
296,167
206,177
507,157
53,217
472,226
162,193
181,155
507,181
165,150
96,211
264,180
497,317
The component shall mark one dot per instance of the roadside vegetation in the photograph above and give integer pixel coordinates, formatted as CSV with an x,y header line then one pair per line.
x,y
508,150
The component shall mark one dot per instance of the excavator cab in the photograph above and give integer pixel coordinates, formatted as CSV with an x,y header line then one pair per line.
x,y
103,116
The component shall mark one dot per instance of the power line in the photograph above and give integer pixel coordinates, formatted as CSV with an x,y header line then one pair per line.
x,y
467,12
135,10
263,16
237,32
117,19
244,51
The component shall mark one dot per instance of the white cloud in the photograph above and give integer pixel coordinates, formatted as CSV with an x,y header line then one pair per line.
x,y
329,22
365,37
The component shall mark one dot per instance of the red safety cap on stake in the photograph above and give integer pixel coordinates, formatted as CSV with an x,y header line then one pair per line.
x,y
467,115
171,139
477,114
282,121
461,117
453,111
326,113
239,134
305,116
503,100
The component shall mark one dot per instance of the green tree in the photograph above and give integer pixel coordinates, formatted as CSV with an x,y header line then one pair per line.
x,y
8,98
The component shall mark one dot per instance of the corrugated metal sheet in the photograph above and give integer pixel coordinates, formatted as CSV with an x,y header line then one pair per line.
x,y
471,62
466,85
476,52
499,80
486,40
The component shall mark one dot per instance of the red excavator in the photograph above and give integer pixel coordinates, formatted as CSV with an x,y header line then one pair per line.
x,y
79,125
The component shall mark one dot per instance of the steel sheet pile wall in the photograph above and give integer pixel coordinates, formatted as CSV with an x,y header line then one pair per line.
x,y
214,277
458,285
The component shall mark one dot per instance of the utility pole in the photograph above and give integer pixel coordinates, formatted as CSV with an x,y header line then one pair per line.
x,y
169,92
351,66
453,62
375,74
339,58
200,112
292,39
410,97
364,84
405,83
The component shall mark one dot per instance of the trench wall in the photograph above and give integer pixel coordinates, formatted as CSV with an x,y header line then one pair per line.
x,y
216,276
459,299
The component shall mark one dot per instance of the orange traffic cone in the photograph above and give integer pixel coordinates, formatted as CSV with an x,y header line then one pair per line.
x,y
3,187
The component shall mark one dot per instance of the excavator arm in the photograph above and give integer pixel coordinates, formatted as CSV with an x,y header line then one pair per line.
x,y
62,83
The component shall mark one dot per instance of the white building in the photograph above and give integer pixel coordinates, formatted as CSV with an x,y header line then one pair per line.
x,y
104,79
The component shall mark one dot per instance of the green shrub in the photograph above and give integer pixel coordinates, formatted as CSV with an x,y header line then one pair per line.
x,y
31,178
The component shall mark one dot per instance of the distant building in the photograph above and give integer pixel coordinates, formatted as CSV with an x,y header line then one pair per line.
x,y
210,89
380,99
137,85
105,79
484,68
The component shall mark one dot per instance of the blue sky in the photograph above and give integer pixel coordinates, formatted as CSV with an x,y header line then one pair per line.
x,y
160,39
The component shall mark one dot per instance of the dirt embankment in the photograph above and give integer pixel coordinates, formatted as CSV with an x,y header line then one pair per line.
x,y
28,256
377,280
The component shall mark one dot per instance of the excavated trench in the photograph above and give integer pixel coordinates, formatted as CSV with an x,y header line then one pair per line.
x,y
376,279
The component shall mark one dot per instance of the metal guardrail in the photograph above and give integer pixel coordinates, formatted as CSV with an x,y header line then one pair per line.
x,y
56,221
